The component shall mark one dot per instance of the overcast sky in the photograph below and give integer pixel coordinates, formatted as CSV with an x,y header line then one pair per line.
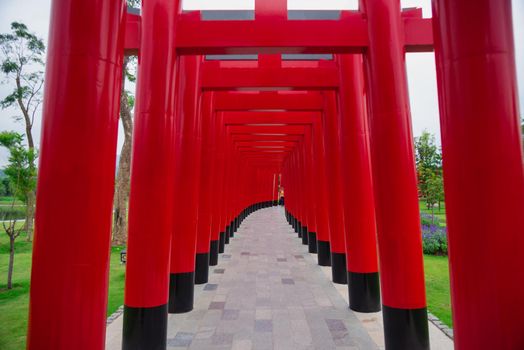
x,y
420,67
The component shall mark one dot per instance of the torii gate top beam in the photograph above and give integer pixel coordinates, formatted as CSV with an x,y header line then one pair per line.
x,y
273,32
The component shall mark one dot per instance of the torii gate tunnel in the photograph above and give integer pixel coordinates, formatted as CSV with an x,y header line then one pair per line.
x,y
213,138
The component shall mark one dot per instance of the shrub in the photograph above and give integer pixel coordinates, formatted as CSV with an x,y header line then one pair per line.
x,y
8,212
434,240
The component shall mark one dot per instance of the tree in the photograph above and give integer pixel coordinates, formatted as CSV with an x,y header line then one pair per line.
x,y
124,164
435,193
22,55
21,173
428,161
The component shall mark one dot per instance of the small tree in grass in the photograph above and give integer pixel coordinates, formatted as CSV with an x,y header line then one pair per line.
x,y
435,193
21,173
428,159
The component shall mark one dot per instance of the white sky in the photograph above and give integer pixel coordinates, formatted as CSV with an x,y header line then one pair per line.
x,y
420,67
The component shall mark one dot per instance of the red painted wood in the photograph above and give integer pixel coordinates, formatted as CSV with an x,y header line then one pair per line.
x,y
67,308
482,160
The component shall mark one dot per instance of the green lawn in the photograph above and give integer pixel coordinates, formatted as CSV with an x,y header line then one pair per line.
x,y
9,201
441,214
14,303
437,287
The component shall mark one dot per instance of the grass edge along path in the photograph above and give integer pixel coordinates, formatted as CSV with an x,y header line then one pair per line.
x,y
436,270
14,303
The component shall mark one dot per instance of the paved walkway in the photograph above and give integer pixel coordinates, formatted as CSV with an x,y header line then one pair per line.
x,y
268,293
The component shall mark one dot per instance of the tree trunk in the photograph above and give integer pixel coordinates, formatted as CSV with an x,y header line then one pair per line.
x,y
11,263
30,215
30,210
122,177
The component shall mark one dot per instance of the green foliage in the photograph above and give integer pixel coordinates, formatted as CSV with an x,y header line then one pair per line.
x,y
130,99
21,48
429,169
436,244
427,153
5,187
22,59
434,190
21,170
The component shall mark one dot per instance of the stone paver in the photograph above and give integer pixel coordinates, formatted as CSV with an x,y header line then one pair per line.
x,y
269,293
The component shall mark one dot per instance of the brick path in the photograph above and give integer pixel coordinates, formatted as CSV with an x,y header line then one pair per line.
x,y
268,293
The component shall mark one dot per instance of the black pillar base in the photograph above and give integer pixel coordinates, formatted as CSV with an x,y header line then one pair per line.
x,y
145,328
181,292
201,268
339,268
232,229
213,253
304,235
298,229
364,291
312,242
405,328
222,242
324,253
227,235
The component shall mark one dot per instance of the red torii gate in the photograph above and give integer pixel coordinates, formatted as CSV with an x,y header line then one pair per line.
x,y
475,56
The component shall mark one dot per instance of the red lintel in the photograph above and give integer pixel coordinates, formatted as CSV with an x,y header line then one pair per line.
x,y
267,35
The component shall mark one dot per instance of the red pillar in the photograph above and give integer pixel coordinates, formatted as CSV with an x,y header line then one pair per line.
x,y
311,189
357,188
221,169
321,190
187,162
395,181
483,172
297,193
334,188
77,167
228,184
204,210
304,203
151,201
216,161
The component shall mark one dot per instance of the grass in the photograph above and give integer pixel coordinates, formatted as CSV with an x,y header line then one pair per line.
x,y
9,200
441,214
14,303
437,287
